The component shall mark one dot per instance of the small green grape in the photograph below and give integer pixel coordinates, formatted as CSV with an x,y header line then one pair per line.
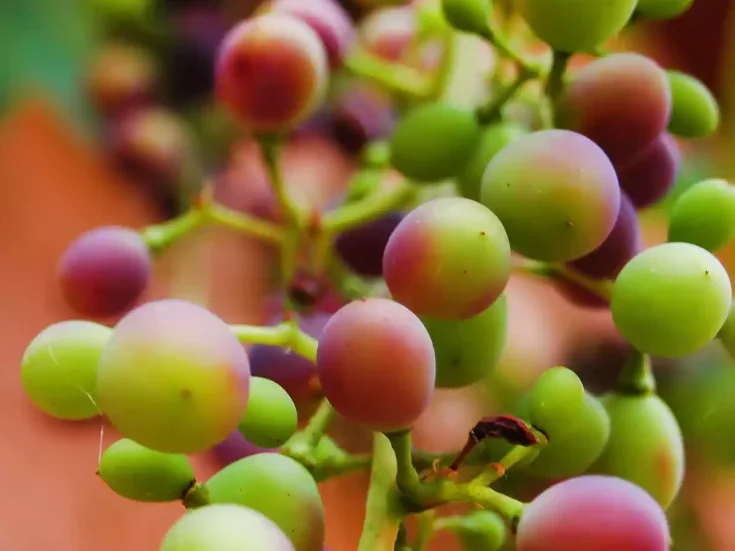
x,y
270,417
694,109
478,530
556,400
662,9
59,369
671,300
704,215
138,473
433,142
727,333
469,16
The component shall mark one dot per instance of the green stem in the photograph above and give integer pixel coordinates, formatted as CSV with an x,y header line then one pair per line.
x,y
270,148
246,224
514,456
443,75
397,78
555,80
601,288
383,514
161,236
496,39
308,438
286,334
637,378
491,111
196,496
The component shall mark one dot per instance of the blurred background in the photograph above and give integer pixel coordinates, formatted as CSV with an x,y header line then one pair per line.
x,y
106,117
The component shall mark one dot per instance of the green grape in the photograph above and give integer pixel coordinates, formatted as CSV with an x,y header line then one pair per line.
x,y
645,445
662,9
225,528
466,350
469,16
727,333
483,530
704,215
556,400
433,142
576,25
495,138
136,472
270,417
278,487
59,369
671,300
694,109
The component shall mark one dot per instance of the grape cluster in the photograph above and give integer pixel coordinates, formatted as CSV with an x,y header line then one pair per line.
x,y
450,199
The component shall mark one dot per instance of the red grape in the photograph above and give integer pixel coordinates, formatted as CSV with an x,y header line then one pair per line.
x,y
235,447
593,512
105,271
649,176
622,102
362,248
271,72
376,364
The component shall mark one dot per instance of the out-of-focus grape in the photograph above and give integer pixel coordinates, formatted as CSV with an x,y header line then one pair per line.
x,y
694,109
388,32
362,248
727,333
650,176
361,114
270,417
662,9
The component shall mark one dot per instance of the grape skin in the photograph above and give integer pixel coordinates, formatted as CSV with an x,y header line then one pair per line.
x,y
727,333
649,177
694,112
662,9
270,417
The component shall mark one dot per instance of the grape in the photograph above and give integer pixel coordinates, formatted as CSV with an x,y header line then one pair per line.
x,y
328,19
494,139
623,243
105,271
225,528
466,350
621,102
59,368
433,142
271,72
122,77
173,377
470,16
478,530
235,447
662,9
449,258
650,176
727,333
376,364
278,487
576,25
704,215
361,114
556,194
137,473
556,400
388,32
603,513
671,300
694,109
362,248
270,417
645,445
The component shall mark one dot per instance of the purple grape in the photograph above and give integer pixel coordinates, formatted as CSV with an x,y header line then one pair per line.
x,y
361,114
362,248
235,447
650,176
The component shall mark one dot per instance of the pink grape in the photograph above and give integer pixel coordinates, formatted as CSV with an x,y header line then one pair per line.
x,y
388,32
271,72
448,259
622,102
362,248
235,447
376,364
650,176
173,377
593,512
105,271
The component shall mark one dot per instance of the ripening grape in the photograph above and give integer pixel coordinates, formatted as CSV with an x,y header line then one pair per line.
x,y
122,77
556,194
278,487
225,528
138,473
173,377
694,109
59,368
272,72
556,400
704,215
603,513
467,350
623,243
105,271
671,300
495,138
727,333
662,9
330,21
362,248
621,102
650,176
576,25
270,417
434,142
376,364
449,258
645,445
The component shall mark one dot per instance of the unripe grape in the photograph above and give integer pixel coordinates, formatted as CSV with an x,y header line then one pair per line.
x,y
59,369
271,72
270,417
173,377
449,258
279,488
694,109
556,400
662,9
138,473
603,513
376,364
105,271
704,215
645,445
556,194
469,16
671,300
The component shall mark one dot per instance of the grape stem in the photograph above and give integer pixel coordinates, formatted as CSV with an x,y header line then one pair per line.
x,y
637,378
555,80
286,334
503,46
197,495
393,76
601,288
301,445
491,111
513,457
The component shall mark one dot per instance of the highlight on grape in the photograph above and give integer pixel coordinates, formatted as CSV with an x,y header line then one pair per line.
x,y
401,288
